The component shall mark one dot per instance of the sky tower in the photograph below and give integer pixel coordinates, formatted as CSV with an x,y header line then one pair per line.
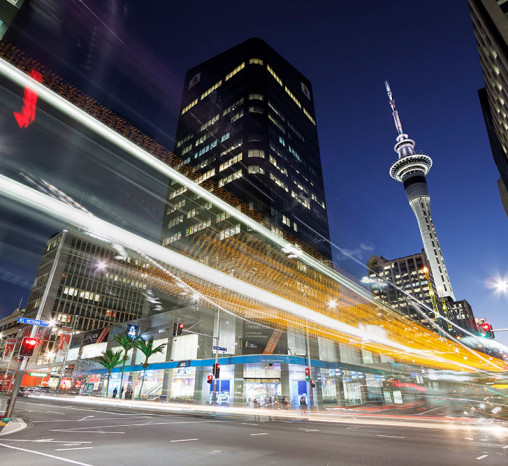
x,y
410,169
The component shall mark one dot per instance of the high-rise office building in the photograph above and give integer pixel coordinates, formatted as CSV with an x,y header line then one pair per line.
x,y
407,285
247,123
397,281
410,169
490,25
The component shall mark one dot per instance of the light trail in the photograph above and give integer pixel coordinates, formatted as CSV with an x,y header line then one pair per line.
x,y
29,197
14,74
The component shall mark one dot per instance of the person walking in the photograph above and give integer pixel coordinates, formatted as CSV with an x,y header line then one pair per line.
x,y
115,392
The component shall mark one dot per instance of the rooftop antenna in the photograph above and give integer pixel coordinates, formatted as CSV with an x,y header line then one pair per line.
x,y
395,114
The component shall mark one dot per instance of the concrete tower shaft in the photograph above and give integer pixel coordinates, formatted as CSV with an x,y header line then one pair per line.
x,y
411,169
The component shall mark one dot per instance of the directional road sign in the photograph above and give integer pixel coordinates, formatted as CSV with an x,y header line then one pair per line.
x,y
24,320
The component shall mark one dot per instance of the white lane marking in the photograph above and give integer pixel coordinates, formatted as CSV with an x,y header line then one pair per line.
x,y
504,448
83,409
45,454
78,429
184,440
481,457
308,430
92,418
88,431
71,449
428,411
248,424
49,440
468,438
261,433
389,436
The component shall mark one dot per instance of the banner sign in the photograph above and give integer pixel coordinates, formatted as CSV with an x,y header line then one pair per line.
x,y
10,344
63,342
95,336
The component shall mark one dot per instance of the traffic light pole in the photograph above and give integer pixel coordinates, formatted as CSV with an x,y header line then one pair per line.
x,y
15,388
215,380
311,397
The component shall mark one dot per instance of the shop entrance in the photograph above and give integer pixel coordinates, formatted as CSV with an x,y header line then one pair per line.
x,y
264,391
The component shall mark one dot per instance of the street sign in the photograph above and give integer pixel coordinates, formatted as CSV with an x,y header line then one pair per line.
x,y
38,374
220,348
24,320
186,363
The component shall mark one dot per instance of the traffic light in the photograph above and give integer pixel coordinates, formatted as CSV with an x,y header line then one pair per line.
x,y
307,374
486,330
216,370
209,379
312,384
28,346
177,329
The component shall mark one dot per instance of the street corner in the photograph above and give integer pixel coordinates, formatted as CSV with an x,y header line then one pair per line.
x,y
12,426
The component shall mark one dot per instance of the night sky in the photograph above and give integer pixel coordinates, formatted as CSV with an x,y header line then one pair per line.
x,y
347,48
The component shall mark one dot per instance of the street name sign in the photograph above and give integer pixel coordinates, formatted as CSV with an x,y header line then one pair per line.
x,y
24,320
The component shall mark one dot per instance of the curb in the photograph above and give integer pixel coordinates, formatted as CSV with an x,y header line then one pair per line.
x,y
7,428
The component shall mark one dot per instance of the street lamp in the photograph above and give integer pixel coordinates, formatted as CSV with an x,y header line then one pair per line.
x,y
101,265
332,304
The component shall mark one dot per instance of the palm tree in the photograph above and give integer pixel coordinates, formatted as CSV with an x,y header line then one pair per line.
x,y
127,343
109,359
146,347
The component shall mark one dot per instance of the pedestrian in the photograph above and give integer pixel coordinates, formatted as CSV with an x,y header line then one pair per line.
x,y
121,392
256,406
115,392
303,405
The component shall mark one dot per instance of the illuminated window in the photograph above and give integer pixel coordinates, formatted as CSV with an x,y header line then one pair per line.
x,y
281,141
279,114
229,232
230,162
209,91
209,123
255,61
201,140
236,70
256,153
176,206
182,190
276,123
222,216
307,114
278,182
286,221
205,176
230,178
237,116
255,109
292,151
295,100
205,149
187,149
256,97
175,221
254,169
270,70
197,227
232,107
189,106
184,140
225,137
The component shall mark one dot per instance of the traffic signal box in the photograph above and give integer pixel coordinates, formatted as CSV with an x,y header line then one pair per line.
x,y
209,379
216,370
177,329
307,374
486,330
28,346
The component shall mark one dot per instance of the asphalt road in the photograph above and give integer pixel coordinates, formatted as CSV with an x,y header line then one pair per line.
x,y
61,431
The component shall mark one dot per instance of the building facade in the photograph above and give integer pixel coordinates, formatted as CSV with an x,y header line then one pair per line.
x,y
247,124
490,25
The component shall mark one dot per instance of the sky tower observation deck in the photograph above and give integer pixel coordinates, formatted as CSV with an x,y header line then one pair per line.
x,y
411,169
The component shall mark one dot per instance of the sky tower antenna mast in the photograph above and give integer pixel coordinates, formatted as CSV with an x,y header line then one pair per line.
x,y
395,113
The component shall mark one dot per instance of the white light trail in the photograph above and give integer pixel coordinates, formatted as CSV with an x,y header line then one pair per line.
x,y
14,74
20,193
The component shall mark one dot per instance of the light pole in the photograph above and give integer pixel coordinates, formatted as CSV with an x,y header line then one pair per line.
x,y
62,370
215,379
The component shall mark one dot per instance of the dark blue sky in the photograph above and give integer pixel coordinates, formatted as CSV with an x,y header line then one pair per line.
x,y
348,48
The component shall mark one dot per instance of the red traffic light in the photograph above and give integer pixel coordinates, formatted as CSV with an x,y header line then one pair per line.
x,y
307,372
216,370
210,378
28,346
486,326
